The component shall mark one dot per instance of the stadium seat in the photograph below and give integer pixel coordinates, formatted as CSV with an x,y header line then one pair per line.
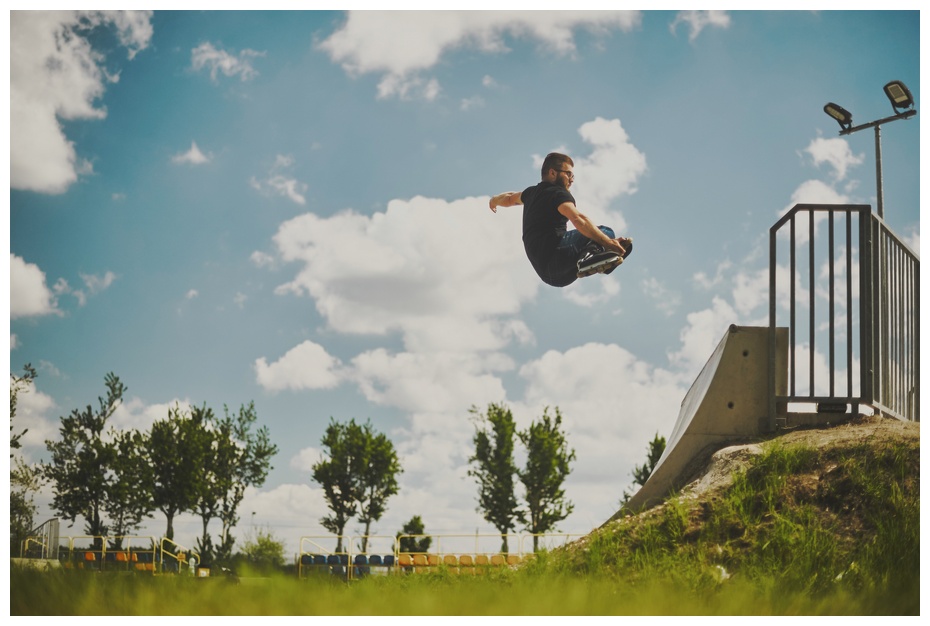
x,y
513,559
389,560
361,565
497,560
374,559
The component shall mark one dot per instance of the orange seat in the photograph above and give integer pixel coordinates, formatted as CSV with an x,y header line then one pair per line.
x,y
513,559
450,560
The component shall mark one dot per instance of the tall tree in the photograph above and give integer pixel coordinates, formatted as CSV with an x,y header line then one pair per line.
x,y
412,536
547,466
378,480
245,462
81,462
641,473
18,384
339,475
494,469
25,479
129,493
176,456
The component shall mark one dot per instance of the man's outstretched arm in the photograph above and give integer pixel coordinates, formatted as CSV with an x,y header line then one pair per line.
x,y
587,228
508,198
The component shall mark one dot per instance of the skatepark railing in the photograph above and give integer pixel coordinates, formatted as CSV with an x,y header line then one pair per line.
x,y
852,303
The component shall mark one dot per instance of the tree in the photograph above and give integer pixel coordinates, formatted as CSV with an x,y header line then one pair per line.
x,y
547,466
264,552
25,479
641,473
176,456
245,462
129,495
339,475
82,460
378,480
411,543
17,384
494,469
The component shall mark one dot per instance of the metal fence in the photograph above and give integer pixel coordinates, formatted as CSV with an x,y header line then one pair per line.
x,y
850,293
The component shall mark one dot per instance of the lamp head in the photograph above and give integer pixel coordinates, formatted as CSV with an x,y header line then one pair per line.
x,y
841,115
899,95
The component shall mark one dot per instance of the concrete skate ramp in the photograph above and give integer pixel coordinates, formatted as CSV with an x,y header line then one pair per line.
x,y
728,401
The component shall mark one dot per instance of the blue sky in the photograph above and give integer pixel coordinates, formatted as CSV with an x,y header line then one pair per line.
x,y
290,208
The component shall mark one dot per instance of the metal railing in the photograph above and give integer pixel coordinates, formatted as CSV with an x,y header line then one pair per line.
x,y
858,343
42,541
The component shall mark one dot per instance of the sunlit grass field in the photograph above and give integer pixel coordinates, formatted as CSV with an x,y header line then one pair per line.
x,y
503,593
802,531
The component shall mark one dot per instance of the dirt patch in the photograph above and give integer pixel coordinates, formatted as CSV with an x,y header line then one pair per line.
x,y
717,472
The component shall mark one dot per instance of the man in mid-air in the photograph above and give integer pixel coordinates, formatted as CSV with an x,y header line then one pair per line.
x,y
558,255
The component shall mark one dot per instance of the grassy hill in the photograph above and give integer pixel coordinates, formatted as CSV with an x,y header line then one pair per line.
x,y
819,515
811,522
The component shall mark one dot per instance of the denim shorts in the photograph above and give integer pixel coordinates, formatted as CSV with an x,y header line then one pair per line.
x,y
562,269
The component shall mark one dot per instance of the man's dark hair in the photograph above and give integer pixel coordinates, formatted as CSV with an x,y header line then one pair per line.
x,y
555,161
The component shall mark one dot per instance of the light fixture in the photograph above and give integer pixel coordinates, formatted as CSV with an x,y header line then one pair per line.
x,y
899,95
841,115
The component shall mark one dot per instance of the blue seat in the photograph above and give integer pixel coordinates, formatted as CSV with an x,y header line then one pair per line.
x,y
361,567
375,559
389,560
319,559
306,559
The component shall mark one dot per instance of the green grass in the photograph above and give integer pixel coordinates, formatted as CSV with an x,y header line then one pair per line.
x,y
802,531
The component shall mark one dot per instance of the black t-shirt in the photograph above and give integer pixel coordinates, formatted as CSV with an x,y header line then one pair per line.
x,y
543,225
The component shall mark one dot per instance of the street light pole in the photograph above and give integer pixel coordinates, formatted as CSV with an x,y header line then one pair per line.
x,y
900,97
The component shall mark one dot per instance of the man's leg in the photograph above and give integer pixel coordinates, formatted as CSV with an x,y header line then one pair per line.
x,y
594,259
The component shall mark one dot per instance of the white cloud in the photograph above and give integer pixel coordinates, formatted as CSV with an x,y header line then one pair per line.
x,y
430,382
702,334
240,299
402,44
474,102
192,157
191,294
612,404
262,259
811,192
34,414
436,291
14,342
29,295
306,366
135,414
55,74
95,284
666,301
279,184
610,171
206,55
697,21
834,152
592,292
